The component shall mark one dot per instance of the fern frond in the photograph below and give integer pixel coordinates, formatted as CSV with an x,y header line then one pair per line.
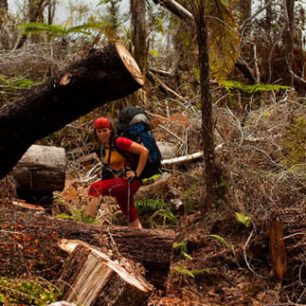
x,y
182,246
150,205
243,219
223,241
192,273
38,28
101,26
184,271
224,39
166,216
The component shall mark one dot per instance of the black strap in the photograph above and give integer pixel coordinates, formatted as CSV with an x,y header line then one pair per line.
x,y
107,166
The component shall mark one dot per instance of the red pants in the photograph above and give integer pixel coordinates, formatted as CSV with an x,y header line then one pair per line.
x,y
118,188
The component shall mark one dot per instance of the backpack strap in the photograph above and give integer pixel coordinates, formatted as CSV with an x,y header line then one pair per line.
x,y
107,165
126,156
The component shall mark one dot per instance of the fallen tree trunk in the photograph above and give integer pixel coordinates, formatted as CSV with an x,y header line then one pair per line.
x,y
28,244
105,75
90,277
41,169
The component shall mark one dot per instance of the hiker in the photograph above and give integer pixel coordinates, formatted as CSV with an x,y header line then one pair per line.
x,y
118,179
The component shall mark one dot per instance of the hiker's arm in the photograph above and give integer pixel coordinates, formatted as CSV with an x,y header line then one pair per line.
x,y
143,153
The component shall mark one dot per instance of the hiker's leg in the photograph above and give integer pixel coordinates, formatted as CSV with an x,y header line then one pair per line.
x,y
92,206
135,224
127,207
95,191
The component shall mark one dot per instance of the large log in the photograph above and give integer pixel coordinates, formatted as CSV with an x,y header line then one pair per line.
x,y
105,75
91,277
41,170
28,244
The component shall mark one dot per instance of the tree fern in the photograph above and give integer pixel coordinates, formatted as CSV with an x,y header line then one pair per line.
x,y
58,30
224,40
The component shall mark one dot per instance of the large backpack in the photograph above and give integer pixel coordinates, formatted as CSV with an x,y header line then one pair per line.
x,y
134,124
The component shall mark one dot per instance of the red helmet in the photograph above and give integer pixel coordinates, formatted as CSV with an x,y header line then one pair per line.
x,y
101,123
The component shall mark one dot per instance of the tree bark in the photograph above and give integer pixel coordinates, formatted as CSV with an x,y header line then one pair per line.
x,y
244,8
288,36
207,112
3,18
29,244
269,16
90,277
105,75
41,170
139,33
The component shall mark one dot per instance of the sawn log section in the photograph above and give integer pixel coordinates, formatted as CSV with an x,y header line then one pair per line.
x,y
105,75
90,277
28,244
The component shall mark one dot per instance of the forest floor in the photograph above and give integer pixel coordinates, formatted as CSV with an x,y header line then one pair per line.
x,y
222,256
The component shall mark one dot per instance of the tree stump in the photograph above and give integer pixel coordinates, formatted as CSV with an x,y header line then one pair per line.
x,y
90,277
105,75
41,170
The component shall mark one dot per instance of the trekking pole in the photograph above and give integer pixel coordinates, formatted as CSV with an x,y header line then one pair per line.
x,y
128,200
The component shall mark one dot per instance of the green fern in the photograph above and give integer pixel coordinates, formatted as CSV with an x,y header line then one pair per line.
x,y
192,273
223,37
245,220
223,241
59,30
150,205
163,217
17,83
182,246
77,215
251,89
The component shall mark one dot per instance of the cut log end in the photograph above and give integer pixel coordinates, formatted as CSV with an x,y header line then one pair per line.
x,y
95,279
130,63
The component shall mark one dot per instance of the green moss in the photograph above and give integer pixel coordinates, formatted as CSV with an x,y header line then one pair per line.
x,y
34,291
294,142
251,89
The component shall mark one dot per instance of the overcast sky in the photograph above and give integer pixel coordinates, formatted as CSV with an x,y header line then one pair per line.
x,y
62,8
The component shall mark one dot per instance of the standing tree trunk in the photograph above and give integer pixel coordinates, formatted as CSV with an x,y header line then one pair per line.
x,y
3,17
269,15
139,40
112,18
244,8
35,14
288,36
105,75
51,10
207,112
139,32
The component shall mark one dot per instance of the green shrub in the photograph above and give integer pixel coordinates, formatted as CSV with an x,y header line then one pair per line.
x,y
34,291
294,142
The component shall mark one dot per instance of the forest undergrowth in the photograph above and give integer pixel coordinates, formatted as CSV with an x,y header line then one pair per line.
x,y
221,257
